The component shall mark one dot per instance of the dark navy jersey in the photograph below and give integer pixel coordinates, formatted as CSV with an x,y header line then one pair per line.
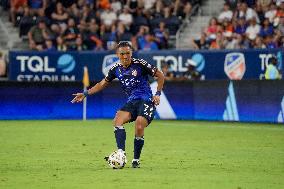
x,y
134,78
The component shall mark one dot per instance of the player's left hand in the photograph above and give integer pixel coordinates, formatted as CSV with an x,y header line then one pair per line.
x,y
156,100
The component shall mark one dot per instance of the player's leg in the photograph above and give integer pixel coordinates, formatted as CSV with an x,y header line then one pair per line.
x,y
121,117
144,118
140,124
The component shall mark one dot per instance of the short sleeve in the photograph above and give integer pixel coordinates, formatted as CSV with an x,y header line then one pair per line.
x,y
148,68
111,75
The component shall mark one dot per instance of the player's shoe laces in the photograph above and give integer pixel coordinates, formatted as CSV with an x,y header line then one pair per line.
x,y
135,163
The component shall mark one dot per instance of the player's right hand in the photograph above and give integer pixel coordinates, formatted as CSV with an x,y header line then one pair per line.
x,y
79,97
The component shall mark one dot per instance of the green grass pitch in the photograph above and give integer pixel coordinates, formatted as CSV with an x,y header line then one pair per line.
x,y
176,154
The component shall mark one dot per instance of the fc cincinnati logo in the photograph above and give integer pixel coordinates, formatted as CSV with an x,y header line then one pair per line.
x,y
235,66
134,73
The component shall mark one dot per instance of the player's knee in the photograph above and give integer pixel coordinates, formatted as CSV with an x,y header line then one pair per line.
x,y
117,120
140,127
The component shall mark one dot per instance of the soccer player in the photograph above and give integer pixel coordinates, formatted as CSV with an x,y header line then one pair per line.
x,y
140,107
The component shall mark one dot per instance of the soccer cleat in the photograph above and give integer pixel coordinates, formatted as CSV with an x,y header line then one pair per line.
x,y
135,163
106,158
121,151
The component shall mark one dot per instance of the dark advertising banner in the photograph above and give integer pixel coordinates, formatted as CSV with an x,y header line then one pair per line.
x,y
242,101
68,66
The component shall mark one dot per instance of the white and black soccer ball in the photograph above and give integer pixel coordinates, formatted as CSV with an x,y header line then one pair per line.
x,y
117,159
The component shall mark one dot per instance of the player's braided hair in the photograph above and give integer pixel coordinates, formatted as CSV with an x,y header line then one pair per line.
x,y
124,44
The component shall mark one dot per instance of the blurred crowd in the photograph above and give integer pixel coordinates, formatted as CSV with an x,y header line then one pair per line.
x,y
245,24
98,24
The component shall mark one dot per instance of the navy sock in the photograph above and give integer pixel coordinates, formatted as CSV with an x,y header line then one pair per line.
x,y
120,137
138,145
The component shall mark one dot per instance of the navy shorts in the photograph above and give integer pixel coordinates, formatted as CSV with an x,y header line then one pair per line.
x,y
140,107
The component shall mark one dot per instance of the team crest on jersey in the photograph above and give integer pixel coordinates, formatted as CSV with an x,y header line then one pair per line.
x,y
235,66
134,73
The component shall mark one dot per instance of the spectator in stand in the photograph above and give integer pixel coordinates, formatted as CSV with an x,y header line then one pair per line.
x,y
259,9
133,6
232,3
241,26
104,4
230,42
93,40
140,37
281,42
74,12
182,8
85,13
71,33
271,13
264,3
116,6
79,45
17,7
138,21
108,17
201,43
60,44
227,26
80,4
37,7
217,41
26,22
243,42
162,36
49,46
126,18
60,16
266,28
172,21
122,34
253,29
258,43
212,28
149,43
280,26
279,13
270,42
55,31
226,13
147,4
38,34
83,27
245,11
110,38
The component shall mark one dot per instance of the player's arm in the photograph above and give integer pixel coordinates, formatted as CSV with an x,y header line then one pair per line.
x,y
79,97
160,80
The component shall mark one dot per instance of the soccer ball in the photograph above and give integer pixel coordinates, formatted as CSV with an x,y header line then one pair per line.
x,y
117,159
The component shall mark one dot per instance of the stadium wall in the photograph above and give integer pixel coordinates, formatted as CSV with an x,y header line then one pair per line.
x,y
68,66
215,100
